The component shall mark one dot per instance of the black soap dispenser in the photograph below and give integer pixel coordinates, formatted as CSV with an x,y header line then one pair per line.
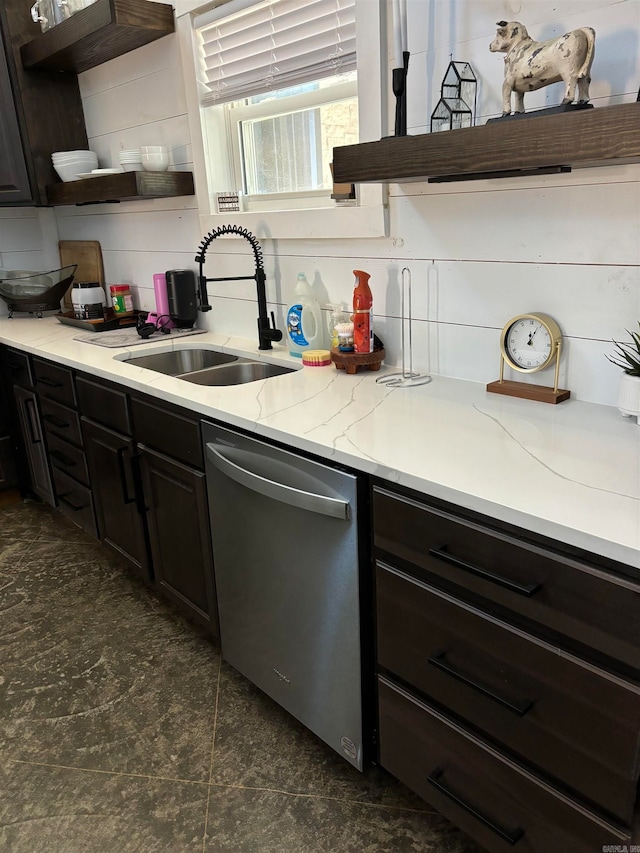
x,y
182,297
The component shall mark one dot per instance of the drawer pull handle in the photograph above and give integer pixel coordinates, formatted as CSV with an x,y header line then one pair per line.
x,y
120,452
61,458
56,422
32,420
75,507
510,837
439,662
42,380
527,590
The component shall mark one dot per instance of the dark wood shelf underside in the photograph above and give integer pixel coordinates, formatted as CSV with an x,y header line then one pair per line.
x,y
102,31
601,136
124,186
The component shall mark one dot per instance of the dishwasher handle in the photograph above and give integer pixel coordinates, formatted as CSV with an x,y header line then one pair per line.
x,y
309,501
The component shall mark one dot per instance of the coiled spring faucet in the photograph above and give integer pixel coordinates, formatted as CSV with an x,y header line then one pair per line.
x,y
267,331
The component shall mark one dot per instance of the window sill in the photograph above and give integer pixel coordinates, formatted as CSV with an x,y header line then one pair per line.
x,y
308,224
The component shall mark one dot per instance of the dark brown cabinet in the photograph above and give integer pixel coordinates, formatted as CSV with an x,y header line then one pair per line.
x,y
8,467
65,449
508,685
29,445
41,112
147,474
14,180
121,527
33,443
176,500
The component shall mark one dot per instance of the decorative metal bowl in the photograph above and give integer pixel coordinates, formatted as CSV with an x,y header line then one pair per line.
x,y
35,292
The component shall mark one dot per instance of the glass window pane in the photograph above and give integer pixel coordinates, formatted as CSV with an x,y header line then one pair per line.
x,y
291,152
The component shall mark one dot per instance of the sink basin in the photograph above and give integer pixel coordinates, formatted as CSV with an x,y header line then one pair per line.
x,y
236,374
181,361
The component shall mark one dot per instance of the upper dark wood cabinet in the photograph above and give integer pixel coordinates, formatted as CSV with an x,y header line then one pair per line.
x,y
102,31
14,180
41,112
595,137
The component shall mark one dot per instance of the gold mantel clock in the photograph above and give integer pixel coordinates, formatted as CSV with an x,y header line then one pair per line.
x,y
529,343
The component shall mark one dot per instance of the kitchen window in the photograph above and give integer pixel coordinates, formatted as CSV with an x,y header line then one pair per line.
x,y
282,143
272,87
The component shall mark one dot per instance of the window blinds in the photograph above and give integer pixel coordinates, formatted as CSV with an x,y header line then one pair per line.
x,y
274,44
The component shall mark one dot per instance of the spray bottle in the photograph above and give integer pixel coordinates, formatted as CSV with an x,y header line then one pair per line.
x,y
304,319
362,313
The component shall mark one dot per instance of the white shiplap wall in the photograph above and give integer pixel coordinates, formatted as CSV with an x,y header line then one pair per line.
x,y
479,252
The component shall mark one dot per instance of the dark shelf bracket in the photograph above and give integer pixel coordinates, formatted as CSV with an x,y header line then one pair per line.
x,y
506,173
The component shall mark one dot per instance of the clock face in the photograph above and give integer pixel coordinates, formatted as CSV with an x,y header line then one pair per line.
x,y
528,344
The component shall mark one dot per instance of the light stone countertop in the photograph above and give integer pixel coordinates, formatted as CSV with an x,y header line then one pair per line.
x,y
570,472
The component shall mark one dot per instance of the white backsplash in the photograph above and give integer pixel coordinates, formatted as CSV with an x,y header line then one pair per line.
x,y
479,252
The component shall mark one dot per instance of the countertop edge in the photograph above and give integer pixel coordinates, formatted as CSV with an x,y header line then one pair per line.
x,y
56,343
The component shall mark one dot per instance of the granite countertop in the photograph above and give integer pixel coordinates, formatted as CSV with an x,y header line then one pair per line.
x,y
570,472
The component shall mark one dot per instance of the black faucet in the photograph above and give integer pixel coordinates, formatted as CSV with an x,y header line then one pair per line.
x,y
267,331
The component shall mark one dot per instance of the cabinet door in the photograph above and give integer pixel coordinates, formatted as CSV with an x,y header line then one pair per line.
x,y
8,471
14,181
35,450
176,501
116,493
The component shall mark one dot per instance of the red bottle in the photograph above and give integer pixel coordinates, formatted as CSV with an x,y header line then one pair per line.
x,y
362,313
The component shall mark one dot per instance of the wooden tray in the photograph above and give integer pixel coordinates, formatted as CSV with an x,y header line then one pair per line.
x,y
351,361
108,324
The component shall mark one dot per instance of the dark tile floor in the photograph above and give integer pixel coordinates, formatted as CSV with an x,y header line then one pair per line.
x,y
121,730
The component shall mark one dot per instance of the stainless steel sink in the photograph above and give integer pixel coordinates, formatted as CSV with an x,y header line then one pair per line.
x,y
181,361
207,367
236,374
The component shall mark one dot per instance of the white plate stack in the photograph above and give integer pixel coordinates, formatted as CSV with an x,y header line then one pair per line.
x,y
131,160
70,164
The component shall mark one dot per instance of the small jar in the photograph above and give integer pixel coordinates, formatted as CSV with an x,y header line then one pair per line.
x,y
88,299
344,332
121,299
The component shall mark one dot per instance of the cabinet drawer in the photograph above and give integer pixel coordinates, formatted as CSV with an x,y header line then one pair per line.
x,y
18,368
501,805
61,421
54,382
563,716
76,501
565,596
173,433
68,459
104,404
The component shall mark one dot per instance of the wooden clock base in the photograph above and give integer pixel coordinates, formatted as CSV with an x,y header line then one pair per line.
x,y
540,393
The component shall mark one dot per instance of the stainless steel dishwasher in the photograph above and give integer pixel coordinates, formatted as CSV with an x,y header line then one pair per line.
x,y
285,548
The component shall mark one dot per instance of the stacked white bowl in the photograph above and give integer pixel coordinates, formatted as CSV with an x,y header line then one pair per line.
x,y
131,160
155,158
70,164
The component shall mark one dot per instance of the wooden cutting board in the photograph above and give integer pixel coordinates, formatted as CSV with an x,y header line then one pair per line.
x,y
87,254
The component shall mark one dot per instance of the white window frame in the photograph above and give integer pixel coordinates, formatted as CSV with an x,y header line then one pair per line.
x,y
303,101
369,216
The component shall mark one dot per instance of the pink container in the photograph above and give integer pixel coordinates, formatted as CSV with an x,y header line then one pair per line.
x,y
162,301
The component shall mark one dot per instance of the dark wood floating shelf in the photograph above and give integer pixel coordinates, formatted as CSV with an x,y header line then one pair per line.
x,y
102,31
124,186
598,137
